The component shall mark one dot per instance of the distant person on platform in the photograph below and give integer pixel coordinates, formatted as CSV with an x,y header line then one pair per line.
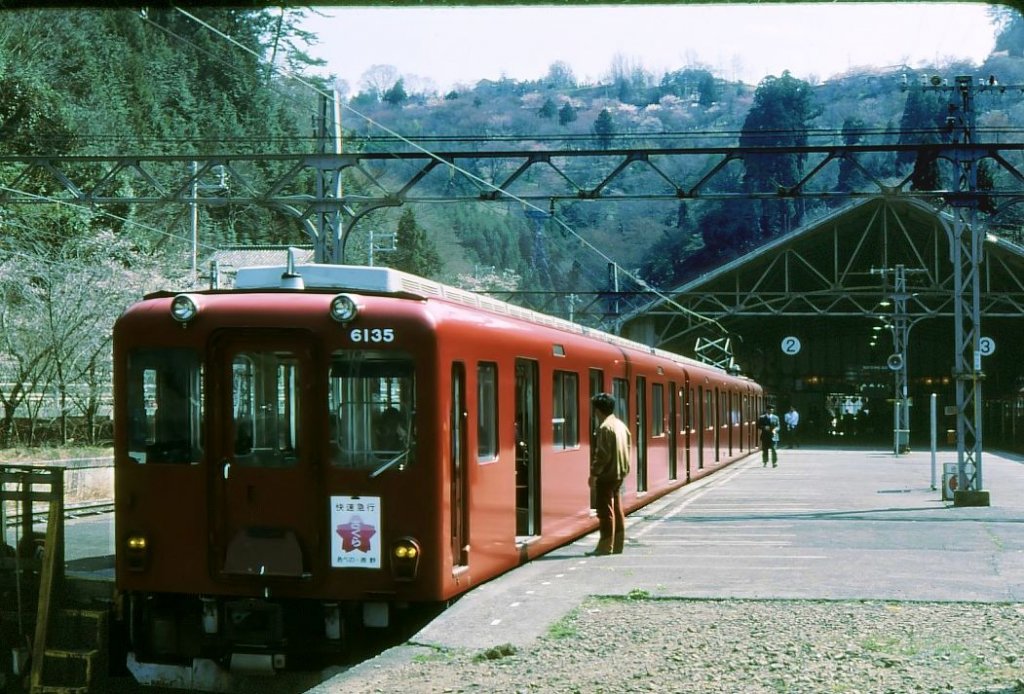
x,y
609,465
768,425
792,421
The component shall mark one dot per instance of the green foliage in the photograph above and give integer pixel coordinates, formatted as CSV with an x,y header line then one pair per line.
x,y
851,177
497,652
692,84
566,114
396,95
604,128
414,252
779,117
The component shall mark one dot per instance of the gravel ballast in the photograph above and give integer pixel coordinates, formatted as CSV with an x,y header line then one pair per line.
x,y
640,644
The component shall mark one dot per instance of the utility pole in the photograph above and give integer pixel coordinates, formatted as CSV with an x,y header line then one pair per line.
x,y
900,337
327,244
967,255
220,187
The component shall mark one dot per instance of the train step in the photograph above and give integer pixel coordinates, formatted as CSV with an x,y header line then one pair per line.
x,y
74,659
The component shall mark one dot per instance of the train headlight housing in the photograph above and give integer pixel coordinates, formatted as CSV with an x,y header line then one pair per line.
x,y
184,308
344,308
136,553
405,558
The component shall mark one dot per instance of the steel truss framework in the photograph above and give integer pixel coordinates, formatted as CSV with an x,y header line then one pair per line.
x,y
283,182
831,268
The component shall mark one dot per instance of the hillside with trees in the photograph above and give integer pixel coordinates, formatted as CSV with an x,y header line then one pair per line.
x,y
220,80
666,243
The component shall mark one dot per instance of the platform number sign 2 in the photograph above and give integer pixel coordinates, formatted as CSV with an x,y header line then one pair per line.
x,y
790,345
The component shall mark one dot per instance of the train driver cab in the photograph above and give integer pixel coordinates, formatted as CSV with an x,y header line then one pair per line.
x,y
371,404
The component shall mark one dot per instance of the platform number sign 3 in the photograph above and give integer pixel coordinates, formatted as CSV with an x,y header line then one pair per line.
x,y
986,346
790,345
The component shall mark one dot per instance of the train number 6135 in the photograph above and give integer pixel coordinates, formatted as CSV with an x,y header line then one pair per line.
x,y
372,335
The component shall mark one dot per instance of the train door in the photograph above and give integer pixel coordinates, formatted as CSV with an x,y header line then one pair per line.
x,y
730,418
716,413
701,416
686,395
673,433
641,434
265,514
527,448
596,386
457,469
744,408
620,392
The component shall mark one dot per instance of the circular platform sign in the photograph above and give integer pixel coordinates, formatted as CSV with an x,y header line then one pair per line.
x,y
790,345
986,346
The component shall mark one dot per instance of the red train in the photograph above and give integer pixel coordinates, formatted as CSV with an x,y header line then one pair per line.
x,y
301,455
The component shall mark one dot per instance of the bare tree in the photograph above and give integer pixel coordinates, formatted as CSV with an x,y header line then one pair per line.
x,y
378,79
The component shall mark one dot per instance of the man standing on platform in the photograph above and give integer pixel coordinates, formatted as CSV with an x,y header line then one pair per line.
x,y
609,465
792,420
768,424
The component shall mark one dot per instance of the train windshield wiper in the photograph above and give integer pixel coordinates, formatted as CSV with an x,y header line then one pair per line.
x,y
398,458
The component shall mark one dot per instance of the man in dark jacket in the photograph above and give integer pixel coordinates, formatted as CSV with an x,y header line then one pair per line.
x,y
768,423
609,465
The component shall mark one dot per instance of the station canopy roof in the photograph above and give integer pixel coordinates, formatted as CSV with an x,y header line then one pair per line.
x,y
832,281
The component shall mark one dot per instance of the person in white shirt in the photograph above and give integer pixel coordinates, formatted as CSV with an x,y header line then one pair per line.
x,y
792,420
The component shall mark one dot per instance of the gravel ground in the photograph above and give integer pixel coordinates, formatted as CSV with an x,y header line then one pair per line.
x,y
738,646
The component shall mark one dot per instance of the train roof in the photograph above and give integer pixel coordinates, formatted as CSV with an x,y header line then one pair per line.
x,y
382,280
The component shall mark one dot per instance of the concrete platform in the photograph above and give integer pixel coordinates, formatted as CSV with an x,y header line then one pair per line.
x,y
826,524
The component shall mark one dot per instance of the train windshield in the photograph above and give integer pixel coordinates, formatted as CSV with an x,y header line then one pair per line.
x,y
265,405
371,404
165,406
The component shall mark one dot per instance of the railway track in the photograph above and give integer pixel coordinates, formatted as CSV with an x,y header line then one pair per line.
x,y
80,510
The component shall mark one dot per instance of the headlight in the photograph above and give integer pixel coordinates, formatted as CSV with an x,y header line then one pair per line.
x,y
344,308
184,307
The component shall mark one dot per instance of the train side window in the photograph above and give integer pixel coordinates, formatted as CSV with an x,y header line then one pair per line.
x,y
657,409
620,391
165,406
566,410
371,403
487,412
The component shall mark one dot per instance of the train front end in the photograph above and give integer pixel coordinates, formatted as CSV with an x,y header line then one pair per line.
x,y
274,492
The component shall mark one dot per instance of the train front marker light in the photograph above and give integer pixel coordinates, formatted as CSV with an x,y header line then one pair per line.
x,y
184,308
405,558
136,552
344,308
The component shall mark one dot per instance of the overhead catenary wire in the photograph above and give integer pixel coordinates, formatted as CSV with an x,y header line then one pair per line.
x,y
103,213
463,172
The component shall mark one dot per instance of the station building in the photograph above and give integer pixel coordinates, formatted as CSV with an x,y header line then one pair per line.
x,y
810,315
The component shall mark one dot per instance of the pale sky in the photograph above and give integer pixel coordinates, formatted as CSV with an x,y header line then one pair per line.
x,y
453,45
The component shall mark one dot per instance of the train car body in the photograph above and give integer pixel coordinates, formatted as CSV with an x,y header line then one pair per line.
x,y
293,464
